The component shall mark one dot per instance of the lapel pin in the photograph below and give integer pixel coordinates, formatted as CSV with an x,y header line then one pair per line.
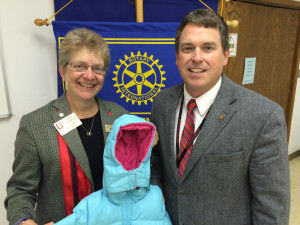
x,y
107,128
61,115
221,117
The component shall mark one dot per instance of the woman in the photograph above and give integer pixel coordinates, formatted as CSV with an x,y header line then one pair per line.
x,y
59,147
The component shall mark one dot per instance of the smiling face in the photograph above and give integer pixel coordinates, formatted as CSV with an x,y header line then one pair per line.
x,y
200,58
83,86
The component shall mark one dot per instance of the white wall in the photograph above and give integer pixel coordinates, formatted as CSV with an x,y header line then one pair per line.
x,y
29,61
294,142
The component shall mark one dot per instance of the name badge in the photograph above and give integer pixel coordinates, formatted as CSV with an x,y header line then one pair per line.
x,y
67,124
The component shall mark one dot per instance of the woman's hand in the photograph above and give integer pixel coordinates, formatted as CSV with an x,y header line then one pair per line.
x,y
31,222
28,222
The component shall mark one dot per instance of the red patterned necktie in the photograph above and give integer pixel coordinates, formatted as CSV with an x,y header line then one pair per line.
x,y
187,135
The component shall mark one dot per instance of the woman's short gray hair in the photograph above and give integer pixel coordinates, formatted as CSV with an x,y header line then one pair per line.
x,y
80,38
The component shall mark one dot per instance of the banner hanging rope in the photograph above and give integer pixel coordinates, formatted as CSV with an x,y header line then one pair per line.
x,y
230,23
139,14
205,5
40,22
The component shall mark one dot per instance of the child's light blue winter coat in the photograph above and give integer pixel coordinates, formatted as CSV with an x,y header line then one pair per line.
x,y
127,196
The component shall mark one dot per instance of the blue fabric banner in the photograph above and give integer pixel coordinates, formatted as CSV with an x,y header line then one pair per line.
x,y
124,10
142,61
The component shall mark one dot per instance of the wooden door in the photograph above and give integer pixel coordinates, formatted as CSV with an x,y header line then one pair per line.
x,y
272,35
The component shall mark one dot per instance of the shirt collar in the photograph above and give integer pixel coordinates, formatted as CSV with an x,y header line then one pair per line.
x,y
204,101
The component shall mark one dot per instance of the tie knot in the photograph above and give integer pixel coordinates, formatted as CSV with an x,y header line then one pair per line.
x,y
192,104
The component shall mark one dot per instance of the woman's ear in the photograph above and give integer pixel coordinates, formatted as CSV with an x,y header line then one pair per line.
x,y
61,72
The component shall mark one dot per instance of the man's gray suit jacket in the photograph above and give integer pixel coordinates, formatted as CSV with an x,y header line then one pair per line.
x,y
238,171
37,180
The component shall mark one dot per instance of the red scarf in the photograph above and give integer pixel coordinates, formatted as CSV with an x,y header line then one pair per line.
x,y
76,185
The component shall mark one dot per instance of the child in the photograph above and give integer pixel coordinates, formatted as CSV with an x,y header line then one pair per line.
x,y
127,196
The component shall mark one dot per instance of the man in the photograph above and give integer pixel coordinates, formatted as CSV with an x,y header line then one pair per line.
x,y
234,169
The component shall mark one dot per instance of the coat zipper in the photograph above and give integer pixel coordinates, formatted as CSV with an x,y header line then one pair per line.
x,y
127,220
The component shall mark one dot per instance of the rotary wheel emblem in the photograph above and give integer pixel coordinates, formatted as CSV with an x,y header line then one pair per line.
x,y
139,78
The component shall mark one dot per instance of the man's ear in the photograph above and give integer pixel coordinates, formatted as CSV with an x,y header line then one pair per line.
x,y
226,55
176,55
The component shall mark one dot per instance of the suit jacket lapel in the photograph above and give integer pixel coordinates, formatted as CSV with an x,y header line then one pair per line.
x,y
171,105
72,138
220,114
106,118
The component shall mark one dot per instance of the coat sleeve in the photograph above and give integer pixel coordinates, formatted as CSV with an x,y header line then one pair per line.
x,y
79,215
87,211
269,173
23,185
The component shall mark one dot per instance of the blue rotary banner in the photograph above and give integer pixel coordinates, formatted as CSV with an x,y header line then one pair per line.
x,y
142,61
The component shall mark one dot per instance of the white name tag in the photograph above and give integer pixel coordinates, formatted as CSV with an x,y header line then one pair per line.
x,y
67,124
